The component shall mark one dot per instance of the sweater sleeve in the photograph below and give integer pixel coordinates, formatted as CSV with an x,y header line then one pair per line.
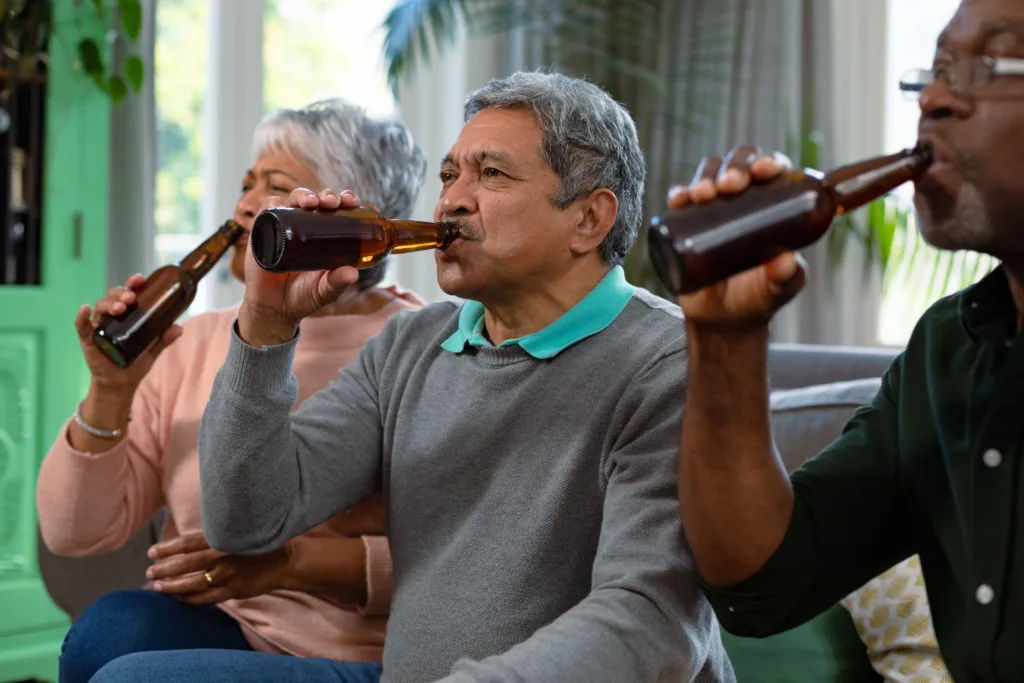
x,y
93,503
645,618
268,475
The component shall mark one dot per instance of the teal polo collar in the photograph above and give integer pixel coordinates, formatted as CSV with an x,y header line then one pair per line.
x,y
592,314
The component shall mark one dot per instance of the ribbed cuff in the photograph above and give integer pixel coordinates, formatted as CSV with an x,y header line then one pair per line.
x,y
249,371
379,583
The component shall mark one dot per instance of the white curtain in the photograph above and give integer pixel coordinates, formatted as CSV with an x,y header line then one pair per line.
x,y
231,110
844,53
133,149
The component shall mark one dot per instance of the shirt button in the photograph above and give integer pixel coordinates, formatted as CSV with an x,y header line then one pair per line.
x,y
984,594
992,458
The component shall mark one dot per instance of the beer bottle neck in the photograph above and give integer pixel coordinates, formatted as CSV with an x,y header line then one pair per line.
x,y
417,235
200,260
857,184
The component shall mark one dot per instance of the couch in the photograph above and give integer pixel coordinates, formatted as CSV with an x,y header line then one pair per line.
x,y
817,387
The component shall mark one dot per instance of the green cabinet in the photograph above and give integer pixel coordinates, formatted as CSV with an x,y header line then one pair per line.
x,y
41,370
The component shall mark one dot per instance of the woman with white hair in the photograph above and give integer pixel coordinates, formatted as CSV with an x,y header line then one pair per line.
x,y
131,447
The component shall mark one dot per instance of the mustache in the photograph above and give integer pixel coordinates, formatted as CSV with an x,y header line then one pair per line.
x,y
467,230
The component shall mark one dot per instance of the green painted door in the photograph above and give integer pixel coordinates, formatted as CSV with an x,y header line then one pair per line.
x,y
41,371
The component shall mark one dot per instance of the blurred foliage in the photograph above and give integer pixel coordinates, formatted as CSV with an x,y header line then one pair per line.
x,y
28,25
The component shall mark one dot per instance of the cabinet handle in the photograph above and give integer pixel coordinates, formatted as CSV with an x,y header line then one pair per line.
x,y
76,235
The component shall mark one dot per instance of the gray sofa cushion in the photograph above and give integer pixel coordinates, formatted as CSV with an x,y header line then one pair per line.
x,y
803,365
806,419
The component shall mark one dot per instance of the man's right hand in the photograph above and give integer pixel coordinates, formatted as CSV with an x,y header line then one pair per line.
x,y
735,498
275,303
745,302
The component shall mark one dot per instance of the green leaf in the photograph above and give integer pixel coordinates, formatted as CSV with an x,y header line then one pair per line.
x,y
92,59
883,217
117,89
101,83
98,4
413,27
134,72
131,17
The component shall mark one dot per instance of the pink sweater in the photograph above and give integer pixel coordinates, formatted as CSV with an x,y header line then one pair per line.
x,y
91,504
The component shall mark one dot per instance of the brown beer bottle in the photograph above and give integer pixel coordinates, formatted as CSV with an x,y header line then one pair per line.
x,y
703,244
288,239
161,300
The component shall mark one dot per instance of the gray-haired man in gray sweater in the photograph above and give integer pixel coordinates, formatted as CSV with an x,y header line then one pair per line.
x,y
525,441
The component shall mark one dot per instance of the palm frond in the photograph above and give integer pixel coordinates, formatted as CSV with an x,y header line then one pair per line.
x,y
925,272
416,27
416,30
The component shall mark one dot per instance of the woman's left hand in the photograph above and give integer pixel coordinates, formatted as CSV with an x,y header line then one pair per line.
x,y
190,570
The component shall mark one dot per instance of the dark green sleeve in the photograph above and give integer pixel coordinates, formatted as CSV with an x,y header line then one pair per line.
x,y
848,526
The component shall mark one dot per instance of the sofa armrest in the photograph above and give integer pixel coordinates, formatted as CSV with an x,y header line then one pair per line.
x,y
74,583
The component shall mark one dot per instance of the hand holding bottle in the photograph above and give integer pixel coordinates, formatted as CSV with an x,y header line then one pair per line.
x,y
275,303
108,403
106,376
744,302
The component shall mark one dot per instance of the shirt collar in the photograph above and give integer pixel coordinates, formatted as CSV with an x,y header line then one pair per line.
x,y
986,309
592,314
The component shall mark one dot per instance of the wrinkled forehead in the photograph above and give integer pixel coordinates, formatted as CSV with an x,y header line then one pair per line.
x,y
980,24
510,133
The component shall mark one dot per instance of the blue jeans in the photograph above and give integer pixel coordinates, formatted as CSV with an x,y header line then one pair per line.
x,y
144,621
224,666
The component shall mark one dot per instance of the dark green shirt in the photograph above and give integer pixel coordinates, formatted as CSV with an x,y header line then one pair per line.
x,y
931,466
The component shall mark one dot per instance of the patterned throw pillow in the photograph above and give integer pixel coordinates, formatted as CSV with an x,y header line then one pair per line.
x,y
893,619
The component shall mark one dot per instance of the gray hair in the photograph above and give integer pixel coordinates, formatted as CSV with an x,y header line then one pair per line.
x,y
589,140
346,149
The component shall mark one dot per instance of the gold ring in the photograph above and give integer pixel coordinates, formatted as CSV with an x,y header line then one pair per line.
x,y
209,579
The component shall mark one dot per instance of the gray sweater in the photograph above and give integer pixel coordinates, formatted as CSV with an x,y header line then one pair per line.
x,y
531,504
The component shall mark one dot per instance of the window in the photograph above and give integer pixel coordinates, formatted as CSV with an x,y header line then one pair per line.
x,y
915,283
312,49
179,87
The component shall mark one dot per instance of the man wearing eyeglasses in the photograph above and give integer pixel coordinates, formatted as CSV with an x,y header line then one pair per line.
x,y
932,465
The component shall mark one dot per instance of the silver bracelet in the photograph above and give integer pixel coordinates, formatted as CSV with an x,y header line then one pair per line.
x,y
98,433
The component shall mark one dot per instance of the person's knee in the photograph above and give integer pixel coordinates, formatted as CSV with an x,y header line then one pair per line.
x,y
106,630
368,672
132,668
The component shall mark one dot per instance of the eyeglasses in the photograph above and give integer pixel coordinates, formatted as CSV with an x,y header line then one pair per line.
x,y
964,76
